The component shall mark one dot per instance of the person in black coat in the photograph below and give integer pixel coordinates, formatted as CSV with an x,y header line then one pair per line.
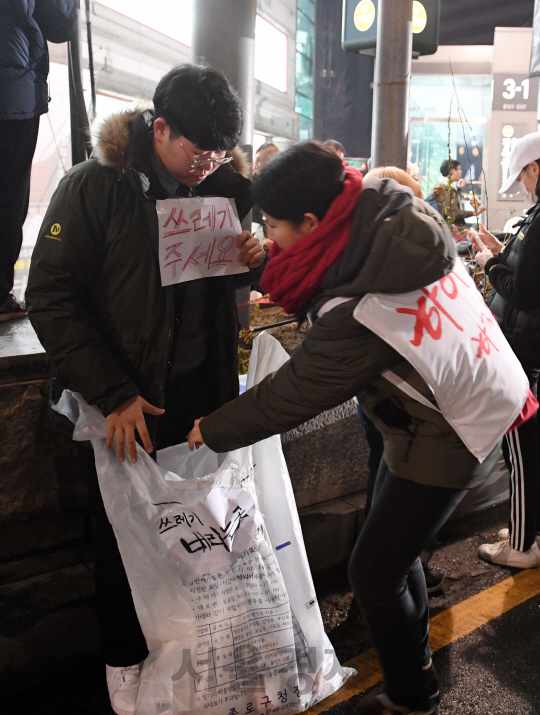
x,y
513,270
25,27
151,356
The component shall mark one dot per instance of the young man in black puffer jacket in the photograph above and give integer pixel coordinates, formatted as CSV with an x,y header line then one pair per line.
x,y
113,332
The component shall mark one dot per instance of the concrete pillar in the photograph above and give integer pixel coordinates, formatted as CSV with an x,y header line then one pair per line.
x,y
224,38
514,114
391,84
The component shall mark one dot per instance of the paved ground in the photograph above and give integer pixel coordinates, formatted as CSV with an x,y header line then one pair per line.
x,y
493,671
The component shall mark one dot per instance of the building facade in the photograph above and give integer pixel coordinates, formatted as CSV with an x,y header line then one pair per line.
x,y
133,46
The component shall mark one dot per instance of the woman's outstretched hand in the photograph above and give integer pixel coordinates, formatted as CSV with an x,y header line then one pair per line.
x,y
194,438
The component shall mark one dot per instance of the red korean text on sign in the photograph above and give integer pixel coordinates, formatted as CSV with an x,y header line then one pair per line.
x,y
222,247
428,318
485,343
226,215
209,219
173,251
177,222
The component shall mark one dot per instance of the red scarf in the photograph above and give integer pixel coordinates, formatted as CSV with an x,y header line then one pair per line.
x,y
294,275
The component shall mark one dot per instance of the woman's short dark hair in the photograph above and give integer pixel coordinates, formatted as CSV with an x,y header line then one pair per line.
x,y
266,145
448,166
335,145
199,103
303,179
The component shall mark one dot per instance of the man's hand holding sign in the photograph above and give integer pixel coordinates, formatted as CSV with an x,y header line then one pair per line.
x,y
251,253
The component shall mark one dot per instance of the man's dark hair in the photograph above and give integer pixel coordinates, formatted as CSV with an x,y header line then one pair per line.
x,y
266,145
448,166
199,103
303,179
335,145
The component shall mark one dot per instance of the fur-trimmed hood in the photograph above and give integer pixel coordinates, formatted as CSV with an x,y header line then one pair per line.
x,y
114,136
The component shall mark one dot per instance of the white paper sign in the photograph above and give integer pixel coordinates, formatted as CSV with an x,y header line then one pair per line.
x,y
210,535
197,239
451,338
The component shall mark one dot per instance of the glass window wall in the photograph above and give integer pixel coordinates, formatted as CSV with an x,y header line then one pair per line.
x,y
174,18
270,54
305,36
448,119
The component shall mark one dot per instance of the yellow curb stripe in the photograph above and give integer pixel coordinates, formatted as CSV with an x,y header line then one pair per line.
x,y
445,628
369,673
465,617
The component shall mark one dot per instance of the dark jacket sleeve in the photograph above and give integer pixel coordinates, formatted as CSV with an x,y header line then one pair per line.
x,y
338,358
461,214
243,189
242,280
56,19
519,287
65,268
243,195
229,183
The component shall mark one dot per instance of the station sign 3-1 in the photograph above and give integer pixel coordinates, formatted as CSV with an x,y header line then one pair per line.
x,y
515,93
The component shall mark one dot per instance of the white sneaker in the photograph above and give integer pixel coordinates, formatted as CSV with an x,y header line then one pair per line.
x,y
123,684
503,554
504,535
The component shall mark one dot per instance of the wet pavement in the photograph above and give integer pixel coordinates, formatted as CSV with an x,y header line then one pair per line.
x,y
456,557
17,338
492,671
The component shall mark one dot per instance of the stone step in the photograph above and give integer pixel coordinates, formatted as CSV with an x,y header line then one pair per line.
x,y
24,568
330,530
327,459
47,624
31,536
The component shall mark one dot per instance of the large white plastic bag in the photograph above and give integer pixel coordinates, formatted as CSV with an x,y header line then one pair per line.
x,y
277,503
230,631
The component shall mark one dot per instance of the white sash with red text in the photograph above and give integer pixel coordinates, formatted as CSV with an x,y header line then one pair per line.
x,y
451,338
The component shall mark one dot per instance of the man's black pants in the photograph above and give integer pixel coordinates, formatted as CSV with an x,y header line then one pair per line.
x,y
18,139
122,640
188,398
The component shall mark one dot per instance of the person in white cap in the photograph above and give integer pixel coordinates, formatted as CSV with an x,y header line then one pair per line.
x,y
514,271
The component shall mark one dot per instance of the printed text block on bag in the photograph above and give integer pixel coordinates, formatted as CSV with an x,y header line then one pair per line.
x,y
197,239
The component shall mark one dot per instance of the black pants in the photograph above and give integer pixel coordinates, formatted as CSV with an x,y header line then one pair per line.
x,y
17,145
376,449
388,581
187,398
521,450
122,640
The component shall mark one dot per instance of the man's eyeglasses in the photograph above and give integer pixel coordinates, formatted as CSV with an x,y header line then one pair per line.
x,y
211,163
